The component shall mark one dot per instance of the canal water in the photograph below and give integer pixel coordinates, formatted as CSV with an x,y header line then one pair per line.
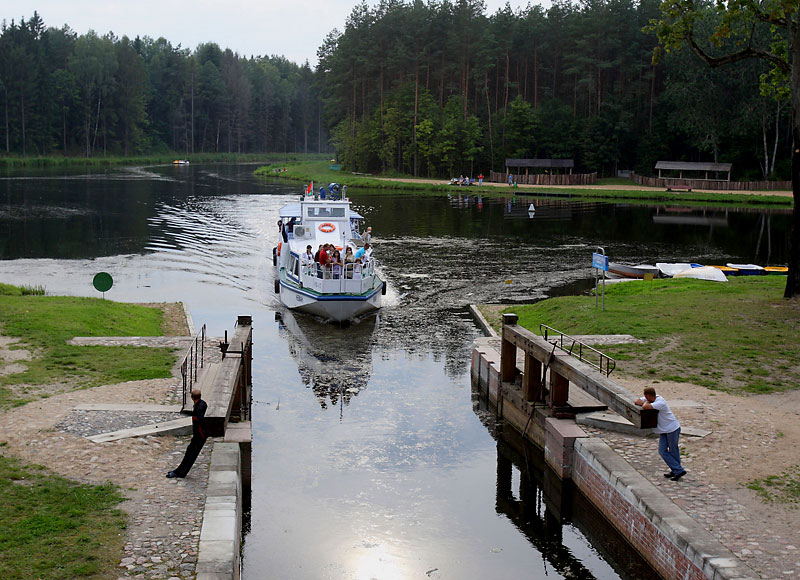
x,y
371,456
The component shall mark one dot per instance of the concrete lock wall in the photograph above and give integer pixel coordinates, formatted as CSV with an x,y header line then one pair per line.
x,y
220,537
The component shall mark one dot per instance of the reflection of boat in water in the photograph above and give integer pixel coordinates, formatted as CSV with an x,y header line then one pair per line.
x,y
334,292
335,364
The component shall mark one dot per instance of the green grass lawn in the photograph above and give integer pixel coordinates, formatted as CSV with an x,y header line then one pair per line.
x,y
741,336
43,324
56,529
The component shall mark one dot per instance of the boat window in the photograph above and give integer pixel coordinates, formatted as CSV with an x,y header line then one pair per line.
x,y
325,212
318,212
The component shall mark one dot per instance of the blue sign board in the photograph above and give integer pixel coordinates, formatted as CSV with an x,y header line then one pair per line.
x,y
600,262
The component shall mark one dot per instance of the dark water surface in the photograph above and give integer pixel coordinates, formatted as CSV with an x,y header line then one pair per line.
x,y
370,457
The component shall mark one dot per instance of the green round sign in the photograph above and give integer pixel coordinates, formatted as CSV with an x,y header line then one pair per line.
x,y
102,281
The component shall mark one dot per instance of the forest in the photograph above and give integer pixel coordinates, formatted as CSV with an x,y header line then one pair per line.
x,y
437,88
90,95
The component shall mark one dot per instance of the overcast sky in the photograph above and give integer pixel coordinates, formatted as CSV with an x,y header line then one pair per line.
x,y
292,28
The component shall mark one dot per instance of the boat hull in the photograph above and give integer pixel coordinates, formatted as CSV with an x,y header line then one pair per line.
x,y
625,271
709,273
336,307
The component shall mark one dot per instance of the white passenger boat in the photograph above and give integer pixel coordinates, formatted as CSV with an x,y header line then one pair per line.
x,y
338,294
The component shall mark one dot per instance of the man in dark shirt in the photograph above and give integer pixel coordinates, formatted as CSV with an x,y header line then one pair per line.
x,y
198,436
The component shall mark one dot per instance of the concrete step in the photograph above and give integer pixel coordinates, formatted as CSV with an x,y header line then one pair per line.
x,y
180,426
146,407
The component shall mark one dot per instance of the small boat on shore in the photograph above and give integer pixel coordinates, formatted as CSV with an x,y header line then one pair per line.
x,y
703,273
776,270
727,270
338,293
747,269
625,271
669,269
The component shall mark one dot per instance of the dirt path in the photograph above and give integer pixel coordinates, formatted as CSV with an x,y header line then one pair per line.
x,y
529,188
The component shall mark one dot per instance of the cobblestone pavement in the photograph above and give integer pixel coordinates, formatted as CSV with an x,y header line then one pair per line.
x,y
165,520
768,549
165,515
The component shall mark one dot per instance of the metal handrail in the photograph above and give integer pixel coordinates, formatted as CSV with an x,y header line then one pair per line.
x,y
191,362
610,363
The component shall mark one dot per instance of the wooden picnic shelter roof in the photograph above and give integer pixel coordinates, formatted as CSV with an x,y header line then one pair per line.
x,y
541,163
693,166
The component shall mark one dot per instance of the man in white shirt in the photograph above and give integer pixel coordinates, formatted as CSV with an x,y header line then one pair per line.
x,y
668,428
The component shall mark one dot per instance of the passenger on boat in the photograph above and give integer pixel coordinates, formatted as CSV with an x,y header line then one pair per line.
x,y
323,260
282,231
307,260
349,260
290,226
368,235
362,251
336,264
357,269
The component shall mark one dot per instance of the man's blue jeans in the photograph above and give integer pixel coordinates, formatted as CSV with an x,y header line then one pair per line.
x,y
669,451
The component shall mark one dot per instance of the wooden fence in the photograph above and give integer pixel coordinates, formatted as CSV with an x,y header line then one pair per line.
x,y
546,178
712,184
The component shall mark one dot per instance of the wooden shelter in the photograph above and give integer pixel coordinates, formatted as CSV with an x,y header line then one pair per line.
x,y
515,166
681,166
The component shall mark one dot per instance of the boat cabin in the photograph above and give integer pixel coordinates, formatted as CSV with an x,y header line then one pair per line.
x,y
321,222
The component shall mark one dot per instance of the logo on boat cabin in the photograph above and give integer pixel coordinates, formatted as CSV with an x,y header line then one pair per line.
x,y
327,227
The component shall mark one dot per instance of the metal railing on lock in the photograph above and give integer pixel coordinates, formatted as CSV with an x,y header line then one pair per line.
x,y
583,352
192,362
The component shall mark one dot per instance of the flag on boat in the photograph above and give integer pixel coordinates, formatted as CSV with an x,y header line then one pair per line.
x,y
310,188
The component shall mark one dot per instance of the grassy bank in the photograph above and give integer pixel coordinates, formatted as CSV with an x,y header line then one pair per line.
x,y
43,324
741,336
60,161
321,174
56,529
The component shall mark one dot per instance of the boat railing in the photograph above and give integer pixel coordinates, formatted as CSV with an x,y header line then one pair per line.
x,y
347,279
583,352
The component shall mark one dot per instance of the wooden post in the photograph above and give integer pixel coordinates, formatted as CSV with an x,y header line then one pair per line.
x,y
532,378
508,352
559,390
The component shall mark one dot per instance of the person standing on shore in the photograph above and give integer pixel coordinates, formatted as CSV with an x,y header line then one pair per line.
x,y
669,430
199,437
